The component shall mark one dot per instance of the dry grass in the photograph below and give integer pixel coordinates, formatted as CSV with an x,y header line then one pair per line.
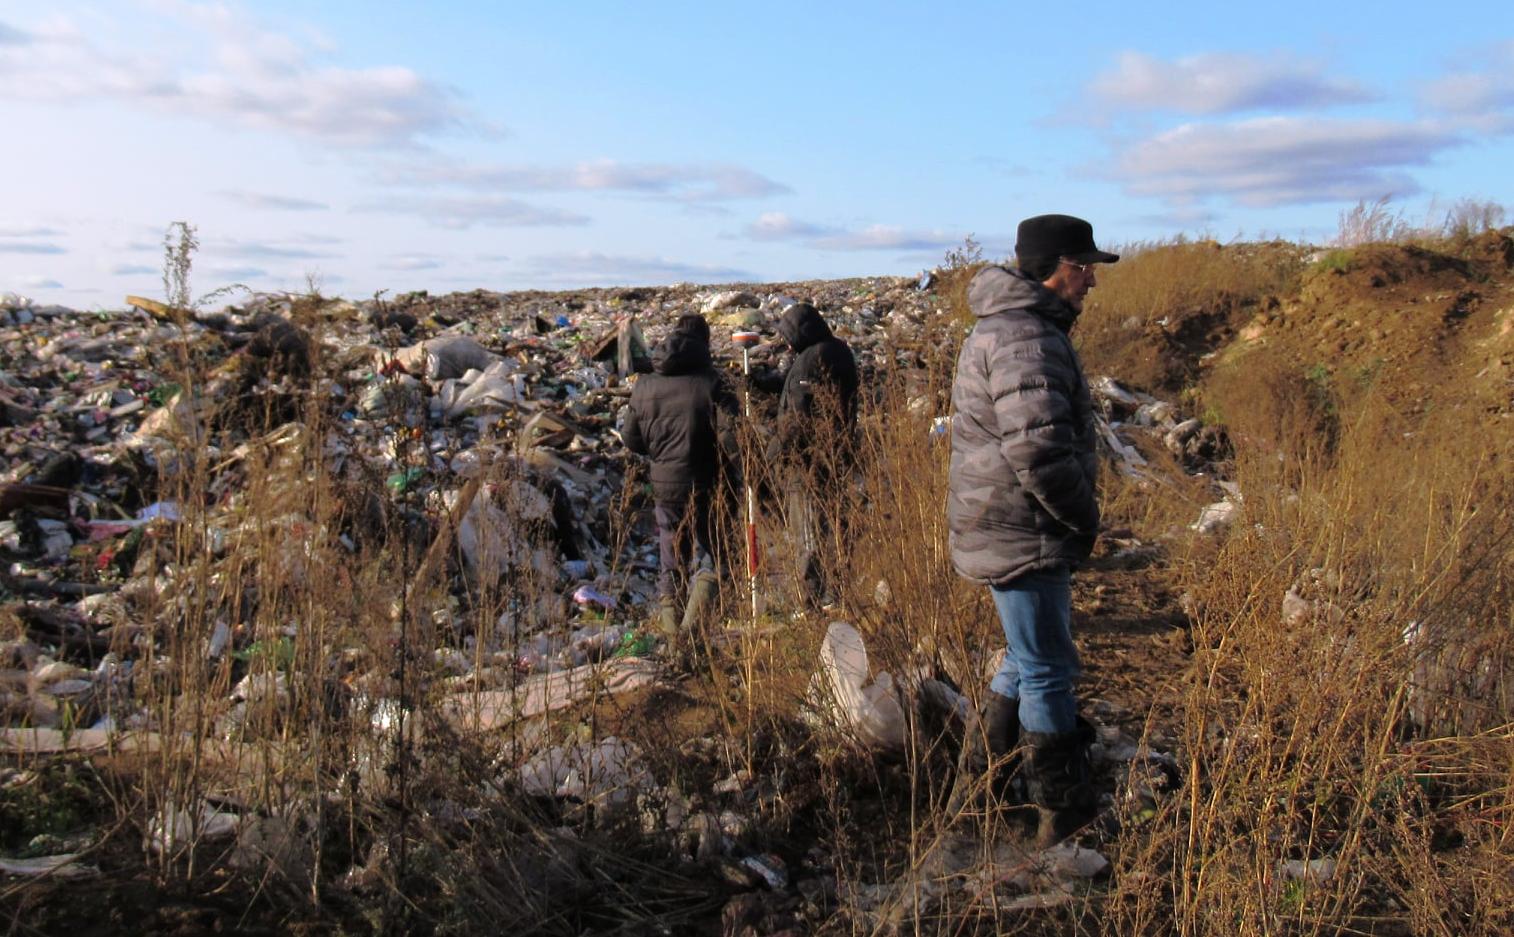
x,y
1309,731
1167,303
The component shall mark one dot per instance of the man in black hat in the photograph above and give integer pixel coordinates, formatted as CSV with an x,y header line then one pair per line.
x,y
1022,507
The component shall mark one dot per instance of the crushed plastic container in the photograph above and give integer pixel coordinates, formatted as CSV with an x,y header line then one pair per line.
x,y
588,596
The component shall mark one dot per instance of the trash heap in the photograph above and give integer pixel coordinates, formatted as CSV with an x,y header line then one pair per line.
x,y
104,414
422,392
482,426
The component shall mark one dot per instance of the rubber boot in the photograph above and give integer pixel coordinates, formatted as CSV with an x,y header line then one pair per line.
x,y
666,621
987,748
701,602
1060,783
1001,730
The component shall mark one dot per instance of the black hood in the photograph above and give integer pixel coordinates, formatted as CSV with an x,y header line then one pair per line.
x,y
682,352
802,327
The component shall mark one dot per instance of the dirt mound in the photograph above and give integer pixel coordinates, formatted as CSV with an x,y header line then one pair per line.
x,y
1425,328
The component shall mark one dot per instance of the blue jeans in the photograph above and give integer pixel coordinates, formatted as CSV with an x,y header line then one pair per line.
x,y
1041,662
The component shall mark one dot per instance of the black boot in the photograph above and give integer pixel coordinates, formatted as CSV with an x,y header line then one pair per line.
x,y
1001,729
987,748
1060,782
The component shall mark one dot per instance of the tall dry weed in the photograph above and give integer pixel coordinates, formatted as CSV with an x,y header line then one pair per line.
x,y
1351,640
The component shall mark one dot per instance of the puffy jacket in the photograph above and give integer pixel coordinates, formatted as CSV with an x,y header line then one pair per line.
x,y
1024,472
822,381
682,416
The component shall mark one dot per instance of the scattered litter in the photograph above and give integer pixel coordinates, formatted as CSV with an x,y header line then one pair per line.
x,y
591,597
165,510
173,828
608,773
1068,860
60,867
771,869
1311,871
842,688
548,692
1216,517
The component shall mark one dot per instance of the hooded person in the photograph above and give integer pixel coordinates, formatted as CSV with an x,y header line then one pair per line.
x,y
1022,507
682,417
817,416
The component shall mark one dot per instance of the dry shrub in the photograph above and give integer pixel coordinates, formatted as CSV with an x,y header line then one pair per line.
x,y
1374,223
1468,218
1275,406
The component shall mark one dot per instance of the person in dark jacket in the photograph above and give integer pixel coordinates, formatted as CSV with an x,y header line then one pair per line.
x,y
812,447
1022,505
682,417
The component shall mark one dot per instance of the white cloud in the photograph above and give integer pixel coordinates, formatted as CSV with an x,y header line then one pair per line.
x,y
590,268
1486,92
39,283
125,270
1220,83
22,231
261,200
237,273
458,213
887,237
779,226
412,262
1281,160
692,183
30,247
227,67
263,250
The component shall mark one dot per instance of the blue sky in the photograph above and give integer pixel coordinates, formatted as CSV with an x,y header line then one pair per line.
x,y
446,146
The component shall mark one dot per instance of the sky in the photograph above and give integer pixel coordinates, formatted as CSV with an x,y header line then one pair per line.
x,y
367,145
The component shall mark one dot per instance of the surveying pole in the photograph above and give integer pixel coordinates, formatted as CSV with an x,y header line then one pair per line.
x,y
747,340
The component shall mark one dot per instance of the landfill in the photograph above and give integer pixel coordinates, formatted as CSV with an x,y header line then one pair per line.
x,y
95,419
481,426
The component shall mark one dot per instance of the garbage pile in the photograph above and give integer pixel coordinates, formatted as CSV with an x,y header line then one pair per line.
x,y
479,428
102,415
105,414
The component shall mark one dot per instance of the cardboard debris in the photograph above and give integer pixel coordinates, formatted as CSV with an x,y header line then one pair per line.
x,y
60,867
549,692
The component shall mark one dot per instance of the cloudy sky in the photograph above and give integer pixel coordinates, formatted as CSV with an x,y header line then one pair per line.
x,y
381,145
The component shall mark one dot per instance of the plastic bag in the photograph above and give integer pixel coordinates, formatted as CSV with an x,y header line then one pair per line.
x,y
872,710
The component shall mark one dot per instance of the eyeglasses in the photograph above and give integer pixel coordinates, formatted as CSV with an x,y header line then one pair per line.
x,y
1082,268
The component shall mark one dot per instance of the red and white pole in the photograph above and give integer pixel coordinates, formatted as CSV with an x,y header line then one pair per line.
x,y
746,340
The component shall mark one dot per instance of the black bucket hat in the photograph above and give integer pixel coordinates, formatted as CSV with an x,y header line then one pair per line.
x,y
1045,237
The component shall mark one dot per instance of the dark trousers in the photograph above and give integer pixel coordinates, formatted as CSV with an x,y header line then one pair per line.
x,y
810,528
684,542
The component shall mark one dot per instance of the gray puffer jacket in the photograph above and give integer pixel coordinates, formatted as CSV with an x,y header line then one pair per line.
x,y
1023,467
